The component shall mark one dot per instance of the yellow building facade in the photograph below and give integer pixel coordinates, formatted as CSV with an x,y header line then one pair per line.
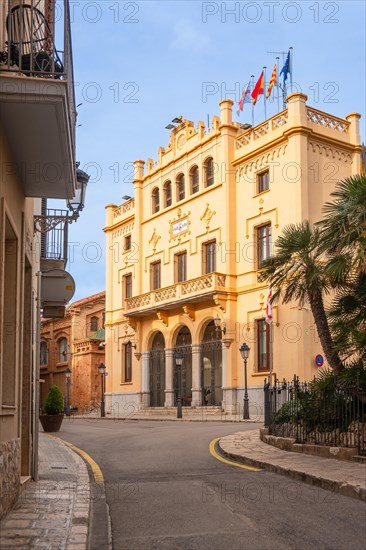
x,y
184,258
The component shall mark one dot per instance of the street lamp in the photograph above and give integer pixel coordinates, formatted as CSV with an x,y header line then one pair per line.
x,y
218,328
244,352
179,363
68,381
76,204
101,369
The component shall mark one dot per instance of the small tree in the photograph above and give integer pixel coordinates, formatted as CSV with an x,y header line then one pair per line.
x,y
54,402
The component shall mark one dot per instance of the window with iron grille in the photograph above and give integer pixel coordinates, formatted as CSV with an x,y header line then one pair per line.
x,y
209,257
127,363
167,194
128,285
127,243
94,324
264,345
263,181
155,200
180,265
194,179
264,243
209,172
62,350
155,275
181,193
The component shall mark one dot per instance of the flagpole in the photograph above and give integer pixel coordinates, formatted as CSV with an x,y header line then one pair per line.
x,y
264,93
278,84
252,86
290,66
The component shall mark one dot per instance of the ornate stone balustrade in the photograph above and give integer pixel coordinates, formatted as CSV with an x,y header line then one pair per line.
x,y
331,122
207,284
263,129
125,207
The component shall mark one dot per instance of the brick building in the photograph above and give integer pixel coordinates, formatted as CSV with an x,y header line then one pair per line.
x,y
75,342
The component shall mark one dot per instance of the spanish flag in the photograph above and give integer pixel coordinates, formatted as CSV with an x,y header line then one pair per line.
x,y
272,82
258,88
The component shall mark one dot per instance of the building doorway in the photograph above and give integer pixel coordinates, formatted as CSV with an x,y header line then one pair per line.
x,y
211,366
157,371
184,344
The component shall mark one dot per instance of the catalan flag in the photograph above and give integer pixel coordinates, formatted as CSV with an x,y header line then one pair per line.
x,y
245,98
258,88
272,82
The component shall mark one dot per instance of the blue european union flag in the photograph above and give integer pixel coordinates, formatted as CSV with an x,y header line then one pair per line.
x,y
286,68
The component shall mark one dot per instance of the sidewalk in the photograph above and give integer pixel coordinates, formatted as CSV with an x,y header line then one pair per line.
x,y
345,477
54,511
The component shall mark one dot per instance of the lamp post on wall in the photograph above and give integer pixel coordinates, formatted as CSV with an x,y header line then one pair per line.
x,y
244,352
101,369
68,381
179,363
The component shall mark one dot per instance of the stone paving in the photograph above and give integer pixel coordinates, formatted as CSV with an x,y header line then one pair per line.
x,y
345,477
52,513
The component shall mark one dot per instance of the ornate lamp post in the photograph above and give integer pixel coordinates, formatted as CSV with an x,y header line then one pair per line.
x,y
244,352
101,369
179,363
68,381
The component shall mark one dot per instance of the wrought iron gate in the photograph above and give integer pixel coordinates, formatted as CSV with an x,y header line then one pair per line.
x,y
157,378
211,372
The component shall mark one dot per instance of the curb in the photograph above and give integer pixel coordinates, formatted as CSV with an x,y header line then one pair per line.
x,y
343,488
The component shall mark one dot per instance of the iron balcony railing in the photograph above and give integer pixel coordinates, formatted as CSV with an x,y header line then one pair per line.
x,y
54,241
28,36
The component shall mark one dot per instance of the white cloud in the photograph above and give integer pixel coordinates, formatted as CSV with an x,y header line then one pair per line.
x,y
188,38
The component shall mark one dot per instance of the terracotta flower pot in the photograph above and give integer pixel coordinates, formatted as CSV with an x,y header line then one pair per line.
x,y
51,422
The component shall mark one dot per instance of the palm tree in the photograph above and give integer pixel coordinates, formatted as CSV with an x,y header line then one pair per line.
x,y
343,229
298,272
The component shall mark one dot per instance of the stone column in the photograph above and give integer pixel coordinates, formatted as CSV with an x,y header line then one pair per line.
x,y
169,378
145,380
196,376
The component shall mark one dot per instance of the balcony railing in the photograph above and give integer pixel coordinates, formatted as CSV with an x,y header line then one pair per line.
x,y
54,242
29,42
187,291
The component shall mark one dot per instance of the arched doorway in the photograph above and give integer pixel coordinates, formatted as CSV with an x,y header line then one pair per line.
x,y
184,344
211,366
157,371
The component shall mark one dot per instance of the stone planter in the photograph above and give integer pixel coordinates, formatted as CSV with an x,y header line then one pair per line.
x,y
51,422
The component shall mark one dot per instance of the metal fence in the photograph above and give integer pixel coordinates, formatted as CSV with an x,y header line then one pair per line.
x,y
334,415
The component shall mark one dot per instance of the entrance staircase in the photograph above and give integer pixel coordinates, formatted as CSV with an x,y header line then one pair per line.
x,y
193,414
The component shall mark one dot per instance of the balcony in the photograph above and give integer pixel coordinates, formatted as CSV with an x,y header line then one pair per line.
x,y
207,288
54,241
37,96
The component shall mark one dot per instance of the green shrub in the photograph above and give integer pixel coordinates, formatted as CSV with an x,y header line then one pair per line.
x,y
54,402
291,411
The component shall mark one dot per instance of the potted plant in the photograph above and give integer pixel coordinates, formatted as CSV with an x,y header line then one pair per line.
x,y
52,410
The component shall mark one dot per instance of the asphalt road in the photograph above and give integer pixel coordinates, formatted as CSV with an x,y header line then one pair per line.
x,y
166,491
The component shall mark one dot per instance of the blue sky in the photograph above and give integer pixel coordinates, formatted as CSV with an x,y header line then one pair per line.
x,y
140,64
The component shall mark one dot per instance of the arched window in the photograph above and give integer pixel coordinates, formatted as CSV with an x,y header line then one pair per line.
x,y
181,193
155,200
62,350
194,181
93,324
209,172
44,354
167,194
